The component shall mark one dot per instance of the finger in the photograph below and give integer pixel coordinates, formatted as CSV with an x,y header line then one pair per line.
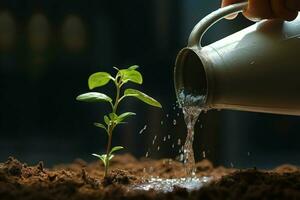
x,y
293,5
280,10
259,9
227,3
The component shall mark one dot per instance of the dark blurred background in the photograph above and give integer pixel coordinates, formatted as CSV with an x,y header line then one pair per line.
x,y
48,48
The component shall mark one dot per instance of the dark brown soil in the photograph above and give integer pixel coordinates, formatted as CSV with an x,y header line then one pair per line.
x,y
81,180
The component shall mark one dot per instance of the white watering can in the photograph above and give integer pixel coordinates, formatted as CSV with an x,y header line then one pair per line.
x,y
256,69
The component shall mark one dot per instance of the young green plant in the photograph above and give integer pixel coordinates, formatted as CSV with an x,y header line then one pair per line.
x,y
113,119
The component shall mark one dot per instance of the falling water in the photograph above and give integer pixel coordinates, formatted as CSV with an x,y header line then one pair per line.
x,y
191,108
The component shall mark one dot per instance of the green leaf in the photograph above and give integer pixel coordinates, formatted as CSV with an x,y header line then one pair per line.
x,y
142,96
116,68
106,120
113,116
94,97
99,79
111,156
116,148
133,67
131,75
123,116
100,125
101,157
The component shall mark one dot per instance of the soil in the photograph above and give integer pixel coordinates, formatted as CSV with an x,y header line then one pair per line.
x,y
81,180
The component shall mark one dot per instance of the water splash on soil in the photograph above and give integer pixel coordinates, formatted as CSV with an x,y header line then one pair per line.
x,y
167,185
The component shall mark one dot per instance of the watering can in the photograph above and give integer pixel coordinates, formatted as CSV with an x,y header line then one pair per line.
x,y
256,69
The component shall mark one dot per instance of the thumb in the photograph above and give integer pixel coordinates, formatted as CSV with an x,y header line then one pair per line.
x,y
227,3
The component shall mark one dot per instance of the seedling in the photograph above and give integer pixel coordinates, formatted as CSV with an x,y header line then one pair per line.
x,y
113,119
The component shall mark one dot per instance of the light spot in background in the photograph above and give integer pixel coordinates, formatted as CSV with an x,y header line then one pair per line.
x,y
7,31
73,33
38,32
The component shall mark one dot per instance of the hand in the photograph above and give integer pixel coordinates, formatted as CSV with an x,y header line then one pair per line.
x,y
268,9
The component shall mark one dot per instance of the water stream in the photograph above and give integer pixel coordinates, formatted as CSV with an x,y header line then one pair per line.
x,y
191,114
191,108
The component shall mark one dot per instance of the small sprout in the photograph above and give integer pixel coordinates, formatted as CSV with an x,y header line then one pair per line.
x,y
112,119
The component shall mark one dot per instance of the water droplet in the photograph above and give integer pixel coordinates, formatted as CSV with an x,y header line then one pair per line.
x,y
158,148
143,129
167,115
153,141
204,154
173,145
169,137
165,138
179,142
201,126
248,153
151,169
177,114
147,154
161,122
174,122
181,157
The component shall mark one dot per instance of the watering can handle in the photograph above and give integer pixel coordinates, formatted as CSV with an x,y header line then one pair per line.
x,y
199,30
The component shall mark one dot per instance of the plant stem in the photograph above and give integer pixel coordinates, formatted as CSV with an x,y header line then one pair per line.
x,y
110,129
117,97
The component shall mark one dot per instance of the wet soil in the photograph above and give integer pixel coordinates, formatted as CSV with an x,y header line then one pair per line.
x,y
81,180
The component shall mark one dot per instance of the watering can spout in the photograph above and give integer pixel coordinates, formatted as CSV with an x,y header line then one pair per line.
x,y
256,69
